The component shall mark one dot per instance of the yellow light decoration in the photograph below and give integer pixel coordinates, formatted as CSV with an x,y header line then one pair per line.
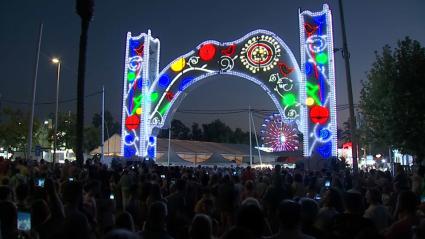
x,y
139,111
309,101
178,65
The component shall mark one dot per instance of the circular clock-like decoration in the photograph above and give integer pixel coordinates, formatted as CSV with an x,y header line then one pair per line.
x,y
260,53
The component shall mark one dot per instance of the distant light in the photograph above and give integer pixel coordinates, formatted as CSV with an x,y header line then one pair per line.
x,y
282,138
46,122
1,149
378,155
55,60
384,161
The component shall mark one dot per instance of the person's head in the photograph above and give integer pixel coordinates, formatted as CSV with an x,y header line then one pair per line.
x,y
332,199
156,216
407,203
155,191
298,178
249,185
277,168
373,196
92,188
39,212
309,210
238,233
21,192
181,185
201,227
124,220
207,206
289,213
421,171
121,234
8,218
5,193
251,217
353,202
72,193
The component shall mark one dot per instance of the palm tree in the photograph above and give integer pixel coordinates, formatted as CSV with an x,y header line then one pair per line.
x,y
85,10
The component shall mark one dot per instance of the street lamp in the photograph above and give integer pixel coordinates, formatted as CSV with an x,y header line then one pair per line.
x,y
56,61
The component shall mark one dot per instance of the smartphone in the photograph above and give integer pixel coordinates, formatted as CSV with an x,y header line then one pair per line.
x,y
327,183
234,173
40,182
24,221
132,167
111,196
71,179
162,176
317,197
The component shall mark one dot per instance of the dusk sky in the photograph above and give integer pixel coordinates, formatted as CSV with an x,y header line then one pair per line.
x,y
180,26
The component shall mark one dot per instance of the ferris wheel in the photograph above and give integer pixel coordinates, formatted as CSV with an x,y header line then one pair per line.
x,y
278,135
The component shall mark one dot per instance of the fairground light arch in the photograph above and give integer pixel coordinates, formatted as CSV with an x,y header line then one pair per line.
x,y
302,95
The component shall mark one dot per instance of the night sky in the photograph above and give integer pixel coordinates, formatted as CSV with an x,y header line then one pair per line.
x,y
180,26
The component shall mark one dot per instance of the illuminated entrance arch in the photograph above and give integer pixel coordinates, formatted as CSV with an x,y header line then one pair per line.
x,y
303,96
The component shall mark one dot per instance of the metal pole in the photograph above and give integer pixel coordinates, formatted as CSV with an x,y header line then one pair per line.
x,y
56,113
346,55
169,146
103,122
391,160
250,140
256,140
34,89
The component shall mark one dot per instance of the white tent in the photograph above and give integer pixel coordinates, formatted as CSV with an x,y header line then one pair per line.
x,y
174,159
216,159
111,146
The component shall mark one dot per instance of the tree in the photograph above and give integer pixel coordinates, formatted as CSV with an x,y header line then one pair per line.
x,y
179,130
66,131
111,125
217,131
392,97
92,134
92,138
241,137
196,132
14,128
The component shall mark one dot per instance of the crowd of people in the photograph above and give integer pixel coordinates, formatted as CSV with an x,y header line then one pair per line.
x,y
144,200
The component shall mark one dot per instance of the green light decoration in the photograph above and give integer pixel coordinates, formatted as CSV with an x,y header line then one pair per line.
x,y
322,58
137,101
289,99
164,109
131,76
312,90
154,96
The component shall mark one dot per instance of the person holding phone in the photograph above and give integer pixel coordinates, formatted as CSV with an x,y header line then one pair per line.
x,y
24,221
9,219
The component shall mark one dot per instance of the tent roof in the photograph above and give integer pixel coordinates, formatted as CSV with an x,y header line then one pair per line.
x,y
111,146
216,159
174,159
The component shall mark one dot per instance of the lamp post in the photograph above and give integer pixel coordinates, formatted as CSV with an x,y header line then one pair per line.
x,y
56,61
